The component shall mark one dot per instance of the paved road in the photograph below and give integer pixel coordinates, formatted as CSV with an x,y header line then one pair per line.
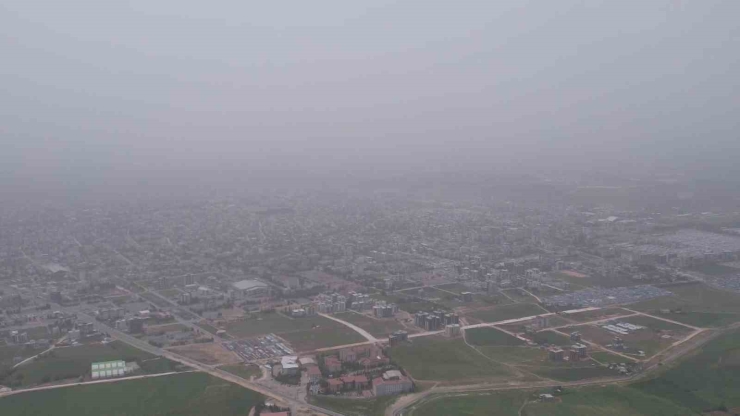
x,y
357,329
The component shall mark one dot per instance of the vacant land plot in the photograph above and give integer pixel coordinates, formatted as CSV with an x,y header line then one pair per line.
x,y
596,314
73,362
491,336
519,295
166,328
304,334
354,407
505,312
657,324
156,300
515,355
695,304
208,327
207,353
550,338
453,361
575,373
246,371
190,394
377,327
646,339
454,287
552,320
607,358
170,293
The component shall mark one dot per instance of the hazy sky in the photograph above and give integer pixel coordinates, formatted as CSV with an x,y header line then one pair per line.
x,y
141,85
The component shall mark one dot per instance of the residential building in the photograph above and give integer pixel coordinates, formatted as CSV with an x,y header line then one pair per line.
x,y
392,382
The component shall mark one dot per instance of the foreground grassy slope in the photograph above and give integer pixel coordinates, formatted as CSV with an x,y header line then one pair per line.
x,y
699,385
188,394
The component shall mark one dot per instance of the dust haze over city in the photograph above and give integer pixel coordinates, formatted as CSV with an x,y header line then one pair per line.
x,y
366,208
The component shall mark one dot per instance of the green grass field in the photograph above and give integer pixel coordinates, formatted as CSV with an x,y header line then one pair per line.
x,y
574,373
156,300
606,401
506,312
695,304
245,371
607,357
191,394
452,361
9,352
491,336
699,384
703,381
716,270
656,324
208,327
73,362
515,355
551,338
354,407
377,327
467,404
304,334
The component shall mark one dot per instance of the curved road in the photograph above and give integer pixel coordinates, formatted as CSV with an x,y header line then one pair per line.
x,y
357,329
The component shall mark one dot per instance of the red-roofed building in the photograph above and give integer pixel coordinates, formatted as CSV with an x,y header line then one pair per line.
x,y
359,382
335,385
332,364
314,374
376,361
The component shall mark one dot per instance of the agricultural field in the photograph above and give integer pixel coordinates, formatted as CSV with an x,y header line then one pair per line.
x,y
453,360
74,362
354,407
246,371
491,337
190,394
377,327
156,330
695,304
505,312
